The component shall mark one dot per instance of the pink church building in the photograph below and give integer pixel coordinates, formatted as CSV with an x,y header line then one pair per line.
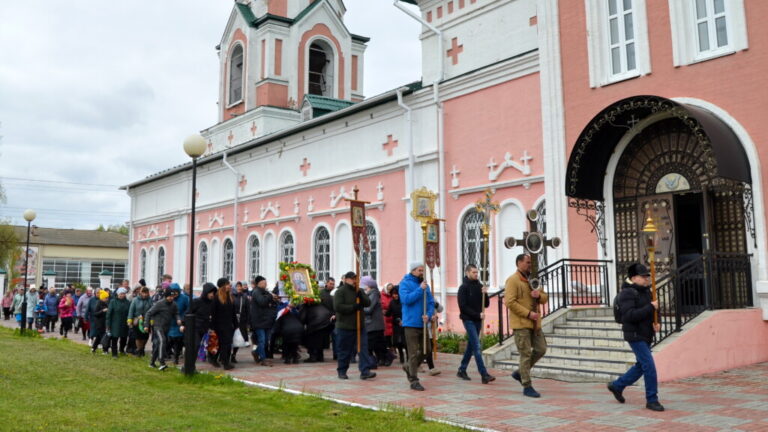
x,y
596,113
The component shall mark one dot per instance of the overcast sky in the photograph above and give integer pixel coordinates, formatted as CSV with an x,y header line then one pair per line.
x,y
98,94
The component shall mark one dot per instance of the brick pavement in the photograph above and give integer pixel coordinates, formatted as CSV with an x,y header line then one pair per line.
x,y
735,400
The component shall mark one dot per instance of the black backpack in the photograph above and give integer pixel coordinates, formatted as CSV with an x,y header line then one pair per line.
x,y
616,307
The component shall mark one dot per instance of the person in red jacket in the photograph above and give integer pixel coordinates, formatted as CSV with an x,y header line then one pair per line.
x,y
386,298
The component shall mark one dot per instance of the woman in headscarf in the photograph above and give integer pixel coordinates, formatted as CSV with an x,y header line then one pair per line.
x,y
97,316
117,321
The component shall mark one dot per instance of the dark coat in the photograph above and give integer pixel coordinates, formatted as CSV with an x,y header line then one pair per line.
x,y
395,311
636,312
326,299
161,314
263,309
242,311
97,317
344,304
202,308
224,320
117,317
374,315
470,299
316,317
290,327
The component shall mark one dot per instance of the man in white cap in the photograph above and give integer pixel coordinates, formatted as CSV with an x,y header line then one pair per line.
x,y
413,294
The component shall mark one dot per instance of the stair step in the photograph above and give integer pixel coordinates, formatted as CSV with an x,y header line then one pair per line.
x,y
586,341
579,330
593,321
580,374
581,362
590,352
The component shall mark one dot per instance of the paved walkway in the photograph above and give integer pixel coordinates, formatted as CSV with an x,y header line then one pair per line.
x,y
736,400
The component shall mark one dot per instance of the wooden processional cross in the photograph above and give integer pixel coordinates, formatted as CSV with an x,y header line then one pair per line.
x,y
487,207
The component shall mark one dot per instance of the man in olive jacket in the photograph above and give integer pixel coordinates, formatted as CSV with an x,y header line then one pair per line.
x,y
348,302
523,304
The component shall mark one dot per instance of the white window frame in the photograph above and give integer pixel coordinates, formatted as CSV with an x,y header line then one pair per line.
x,y
230,61
228,259
599,42
330,50
685,35
160,264
202,264
254,265
143,264
281,245
322,273
370,258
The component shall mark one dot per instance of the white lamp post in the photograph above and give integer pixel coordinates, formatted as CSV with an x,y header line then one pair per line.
x,y
29,216
194,146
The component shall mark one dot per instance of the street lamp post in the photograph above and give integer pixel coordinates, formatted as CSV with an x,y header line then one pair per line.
x,y
194,146
29,216
650,232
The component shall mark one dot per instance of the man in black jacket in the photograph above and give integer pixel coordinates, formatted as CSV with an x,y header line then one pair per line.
x,y
471,309
637,310
160,316
263,313
202,309
349,302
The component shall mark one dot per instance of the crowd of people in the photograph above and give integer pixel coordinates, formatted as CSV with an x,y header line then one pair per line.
x,y
358,322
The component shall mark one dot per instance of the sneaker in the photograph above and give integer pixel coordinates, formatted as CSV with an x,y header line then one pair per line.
x,y
654,406
153,366
163,367
416,386
255,356
488,378
233,359
463,375
434,372
367,376
267,363
530,392
343,376
516,376
616,393
228,366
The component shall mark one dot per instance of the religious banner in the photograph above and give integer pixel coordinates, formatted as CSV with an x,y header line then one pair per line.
x,y
432,245
359,232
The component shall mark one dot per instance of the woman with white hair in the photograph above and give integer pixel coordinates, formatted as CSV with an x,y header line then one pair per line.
x,y
117,321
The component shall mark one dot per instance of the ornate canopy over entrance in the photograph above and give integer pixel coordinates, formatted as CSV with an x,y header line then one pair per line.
x,y
723,154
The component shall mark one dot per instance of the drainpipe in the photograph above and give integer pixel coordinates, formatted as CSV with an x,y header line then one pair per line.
x,y
234,223
442,191
410,179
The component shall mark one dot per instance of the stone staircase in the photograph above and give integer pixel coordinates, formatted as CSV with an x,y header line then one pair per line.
x,y
584,345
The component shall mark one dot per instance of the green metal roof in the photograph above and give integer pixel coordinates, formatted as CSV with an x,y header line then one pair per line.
x,y
326,103
247,13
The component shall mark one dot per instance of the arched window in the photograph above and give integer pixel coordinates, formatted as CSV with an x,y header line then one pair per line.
x,y
322,254
236,75
160,264
229,259
254,255
368,259
286,247
473,243
202,261
541,226
143,264
320,69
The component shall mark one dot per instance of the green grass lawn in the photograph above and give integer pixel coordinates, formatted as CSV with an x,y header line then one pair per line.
x,y
57,385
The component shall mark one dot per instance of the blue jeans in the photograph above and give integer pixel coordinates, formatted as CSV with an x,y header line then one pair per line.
x,y
644,367
260,337
473,348
347,348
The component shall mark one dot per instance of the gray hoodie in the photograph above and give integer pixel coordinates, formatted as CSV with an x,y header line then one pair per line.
x,y
374,316
161,314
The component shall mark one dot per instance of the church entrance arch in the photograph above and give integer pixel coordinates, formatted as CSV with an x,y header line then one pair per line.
x,y
684,167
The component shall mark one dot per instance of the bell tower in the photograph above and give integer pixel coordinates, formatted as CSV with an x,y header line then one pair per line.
x,y
273,54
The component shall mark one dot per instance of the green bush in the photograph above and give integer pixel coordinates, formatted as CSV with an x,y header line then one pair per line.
x,y
450,342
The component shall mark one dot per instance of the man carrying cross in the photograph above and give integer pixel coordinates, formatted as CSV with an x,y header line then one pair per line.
x,y
523,304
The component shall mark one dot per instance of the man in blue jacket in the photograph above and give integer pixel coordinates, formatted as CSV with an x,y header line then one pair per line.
x,y
413,293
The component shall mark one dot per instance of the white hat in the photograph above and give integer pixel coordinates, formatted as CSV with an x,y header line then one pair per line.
x,y
414,265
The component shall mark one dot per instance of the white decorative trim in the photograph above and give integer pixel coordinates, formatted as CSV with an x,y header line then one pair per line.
x,y
598,42
277,221
553,121
336,198
154,239
152,231
380,191
494,173
333,212
682,17
454,177
295,206
525,182
275,210
216,218
213,230
310,204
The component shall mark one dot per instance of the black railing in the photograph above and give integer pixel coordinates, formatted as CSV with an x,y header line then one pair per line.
x,y
713,281
569,282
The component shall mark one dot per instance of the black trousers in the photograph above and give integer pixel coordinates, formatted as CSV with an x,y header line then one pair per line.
x,y
177,346
114,342
315,342
50,322
377,345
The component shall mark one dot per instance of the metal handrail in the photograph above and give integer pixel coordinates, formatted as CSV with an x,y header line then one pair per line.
x,y
569,282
